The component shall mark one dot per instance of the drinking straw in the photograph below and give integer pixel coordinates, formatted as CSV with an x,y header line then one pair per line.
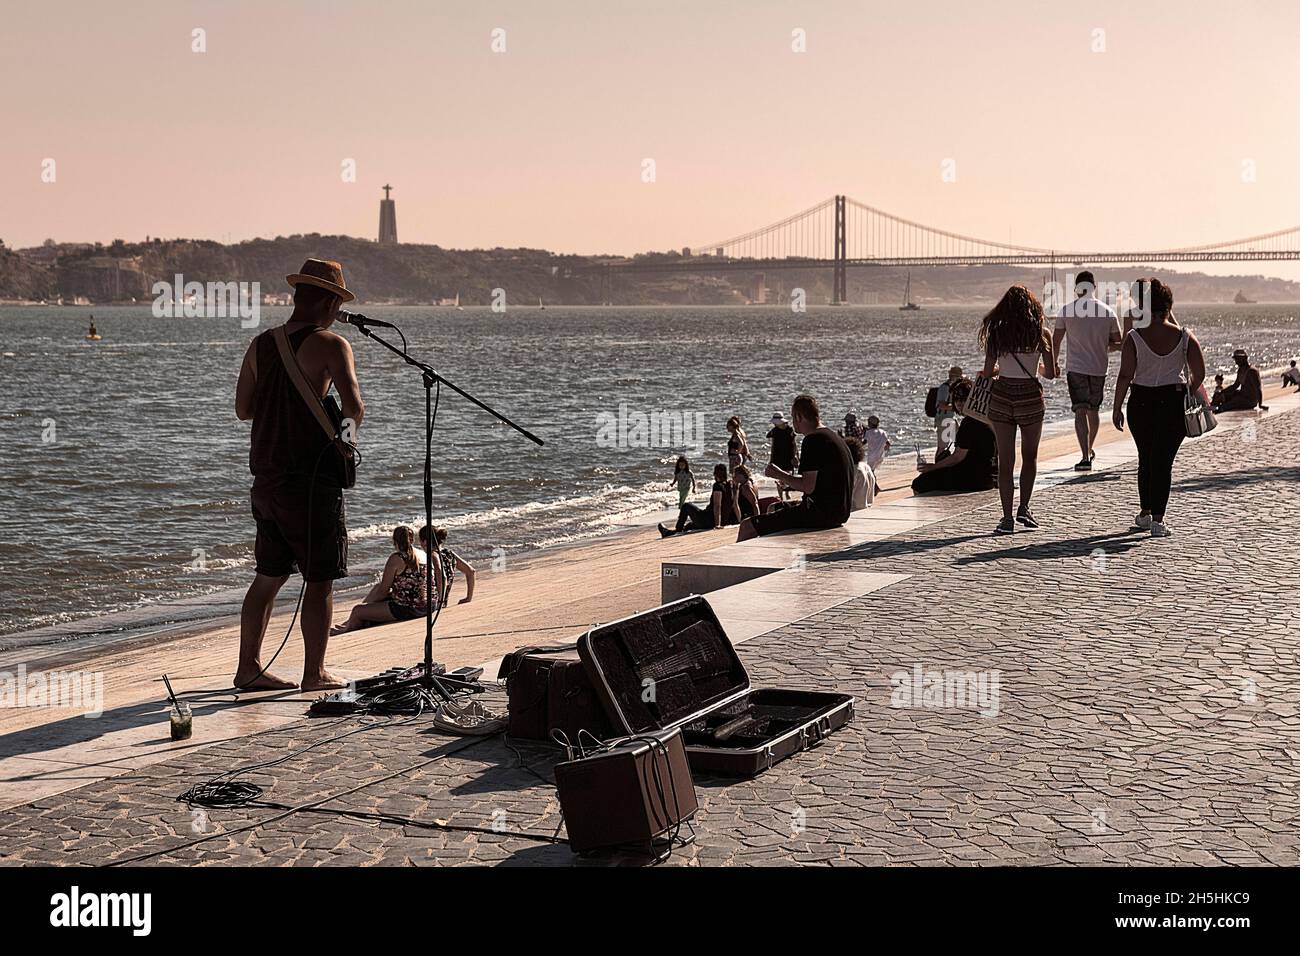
x,y
171,694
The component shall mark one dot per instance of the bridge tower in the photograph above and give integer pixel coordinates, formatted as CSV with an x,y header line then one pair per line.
x,y
840,293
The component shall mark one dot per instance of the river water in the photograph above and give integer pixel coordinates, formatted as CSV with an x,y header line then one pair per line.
x,y
124,478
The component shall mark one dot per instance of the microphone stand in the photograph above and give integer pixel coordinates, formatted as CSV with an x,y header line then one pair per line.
x,y
431,378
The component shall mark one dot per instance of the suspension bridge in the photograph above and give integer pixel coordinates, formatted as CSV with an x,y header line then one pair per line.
x,y
840,233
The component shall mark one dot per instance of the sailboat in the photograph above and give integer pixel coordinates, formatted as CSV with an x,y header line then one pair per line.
x,y
458,305
908,305
540,304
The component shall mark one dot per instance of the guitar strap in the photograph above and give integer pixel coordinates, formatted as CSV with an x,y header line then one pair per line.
x,y
295,375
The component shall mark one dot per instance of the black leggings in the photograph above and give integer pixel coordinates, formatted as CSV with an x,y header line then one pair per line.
x,y
1155,414
694,518
1237,403
956,478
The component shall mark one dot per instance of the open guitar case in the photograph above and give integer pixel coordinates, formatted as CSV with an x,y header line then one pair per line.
x,y
674,668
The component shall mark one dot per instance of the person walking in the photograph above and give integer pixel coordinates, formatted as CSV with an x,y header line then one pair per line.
x,y
683,480
1016,345
876,439
1093,332
1159,365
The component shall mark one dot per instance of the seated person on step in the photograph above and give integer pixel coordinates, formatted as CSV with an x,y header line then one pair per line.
x,y
445,568
1246,392
825,479
864,479
721,509
969,466
399,595
1291,376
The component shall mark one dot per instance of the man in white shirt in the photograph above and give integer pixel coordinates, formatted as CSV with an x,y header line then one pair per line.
x,y
1093,331
877,441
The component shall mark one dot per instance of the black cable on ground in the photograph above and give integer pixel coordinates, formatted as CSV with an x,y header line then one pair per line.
x,y
226,792
441,825
310,805
523,764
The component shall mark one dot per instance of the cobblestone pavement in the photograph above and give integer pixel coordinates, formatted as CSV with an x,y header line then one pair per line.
x,y
1145,712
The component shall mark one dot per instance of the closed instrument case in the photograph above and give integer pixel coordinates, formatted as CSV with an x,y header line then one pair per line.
x,y
548,689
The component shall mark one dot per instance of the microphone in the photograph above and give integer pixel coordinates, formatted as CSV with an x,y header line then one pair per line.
x,y
362,322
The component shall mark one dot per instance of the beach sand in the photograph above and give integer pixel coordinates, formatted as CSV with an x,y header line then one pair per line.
x,y
548,598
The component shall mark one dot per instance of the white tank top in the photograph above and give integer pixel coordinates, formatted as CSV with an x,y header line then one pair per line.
x,y
1153,369
1008,367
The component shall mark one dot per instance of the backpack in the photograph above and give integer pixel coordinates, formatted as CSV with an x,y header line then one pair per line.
x,y
932,402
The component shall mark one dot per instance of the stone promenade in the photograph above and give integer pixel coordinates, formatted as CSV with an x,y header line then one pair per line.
x,y
1140,705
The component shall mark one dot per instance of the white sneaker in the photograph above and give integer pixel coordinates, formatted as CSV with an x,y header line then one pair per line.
x,y
1143,522
1158,530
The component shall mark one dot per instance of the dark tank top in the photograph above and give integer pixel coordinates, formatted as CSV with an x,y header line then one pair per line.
x,y
287,439
783,448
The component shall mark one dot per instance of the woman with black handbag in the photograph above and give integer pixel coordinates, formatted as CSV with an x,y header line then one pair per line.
x,y
1017,346
1163,364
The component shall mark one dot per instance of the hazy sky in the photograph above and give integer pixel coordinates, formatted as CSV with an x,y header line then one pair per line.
x,y
1140,146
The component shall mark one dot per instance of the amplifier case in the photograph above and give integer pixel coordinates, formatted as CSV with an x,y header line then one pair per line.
x,y
548,688
674,668
631,794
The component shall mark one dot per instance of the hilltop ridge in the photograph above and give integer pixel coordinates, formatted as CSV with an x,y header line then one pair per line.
x,y
419,274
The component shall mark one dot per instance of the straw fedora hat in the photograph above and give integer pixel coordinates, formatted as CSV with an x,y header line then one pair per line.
x,y
323,274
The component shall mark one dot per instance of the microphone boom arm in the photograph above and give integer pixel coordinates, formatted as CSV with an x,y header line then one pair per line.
x,y
432,376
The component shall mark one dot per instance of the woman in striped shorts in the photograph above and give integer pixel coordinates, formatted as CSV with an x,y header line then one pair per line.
x,y
1017,346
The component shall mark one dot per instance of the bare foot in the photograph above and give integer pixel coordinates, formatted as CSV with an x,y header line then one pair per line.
x,y
248,679
338,629
323,681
